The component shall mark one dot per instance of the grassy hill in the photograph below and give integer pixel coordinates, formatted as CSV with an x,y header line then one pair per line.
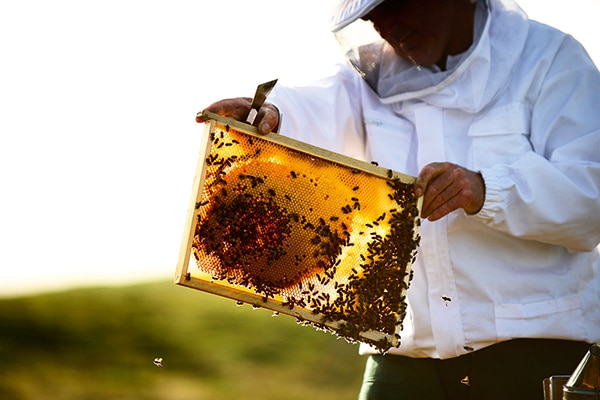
x,y
100,343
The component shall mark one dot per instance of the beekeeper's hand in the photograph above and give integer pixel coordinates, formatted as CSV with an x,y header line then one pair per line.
x,y
447,187
238,108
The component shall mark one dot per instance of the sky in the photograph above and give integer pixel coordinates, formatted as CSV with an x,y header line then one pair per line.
x,y
98,143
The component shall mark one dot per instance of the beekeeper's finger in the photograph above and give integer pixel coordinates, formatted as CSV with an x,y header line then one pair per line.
x,y
236,108
267,119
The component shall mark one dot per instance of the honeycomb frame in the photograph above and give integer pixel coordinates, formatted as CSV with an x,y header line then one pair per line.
x,y
330,259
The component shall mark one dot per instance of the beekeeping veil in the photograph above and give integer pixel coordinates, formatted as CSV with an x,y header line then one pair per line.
x,y
389,75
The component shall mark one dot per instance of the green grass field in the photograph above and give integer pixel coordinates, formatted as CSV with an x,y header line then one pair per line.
x,y
100,343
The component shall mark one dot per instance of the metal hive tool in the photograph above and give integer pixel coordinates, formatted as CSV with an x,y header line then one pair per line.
x,y
290,227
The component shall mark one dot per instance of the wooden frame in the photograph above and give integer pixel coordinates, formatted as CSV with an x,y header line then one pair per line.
x,y
343,314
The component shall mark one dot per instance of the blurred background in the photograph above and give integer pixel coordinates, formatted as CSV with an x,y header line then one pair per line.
x,y
98,147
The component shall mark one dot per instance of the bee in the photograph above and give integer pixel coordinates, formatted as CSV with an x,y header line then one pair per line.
x,y
158,361
466,381
446,299
294,217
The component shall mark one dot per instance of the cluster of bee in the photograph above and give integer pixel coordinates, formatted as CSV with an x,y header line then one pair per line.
x,y
247,226
373,299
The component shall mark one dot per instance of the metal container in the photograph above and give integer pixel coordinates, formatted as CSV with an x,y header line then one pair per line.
x,y
584,383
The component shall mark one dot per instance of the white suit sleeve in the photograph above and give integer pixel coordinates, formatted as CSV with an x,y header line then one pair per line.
x,y
551,194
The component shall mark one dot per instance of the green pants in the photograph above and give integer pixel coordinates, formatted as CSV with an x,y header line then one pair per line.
x,y
510,370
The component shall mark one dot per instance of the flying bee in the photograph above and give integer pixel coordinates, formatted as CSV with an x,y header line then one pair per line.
x,y
446,299
158,361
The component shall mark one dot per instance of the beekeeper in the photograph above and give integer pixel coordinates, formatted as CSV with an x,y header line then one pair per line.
x,y
499,117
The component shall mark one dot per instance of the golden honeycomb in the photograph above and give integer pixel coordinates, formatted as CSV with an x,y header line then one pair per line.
x,y
286,226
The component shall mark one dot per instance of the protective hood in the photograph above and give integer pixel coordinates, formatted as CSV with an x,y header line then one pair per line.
x,y
347,11
471,79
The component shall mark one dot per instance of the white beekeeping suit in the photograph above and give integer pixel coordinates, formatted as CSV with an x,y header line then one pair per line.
x,y
521,107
